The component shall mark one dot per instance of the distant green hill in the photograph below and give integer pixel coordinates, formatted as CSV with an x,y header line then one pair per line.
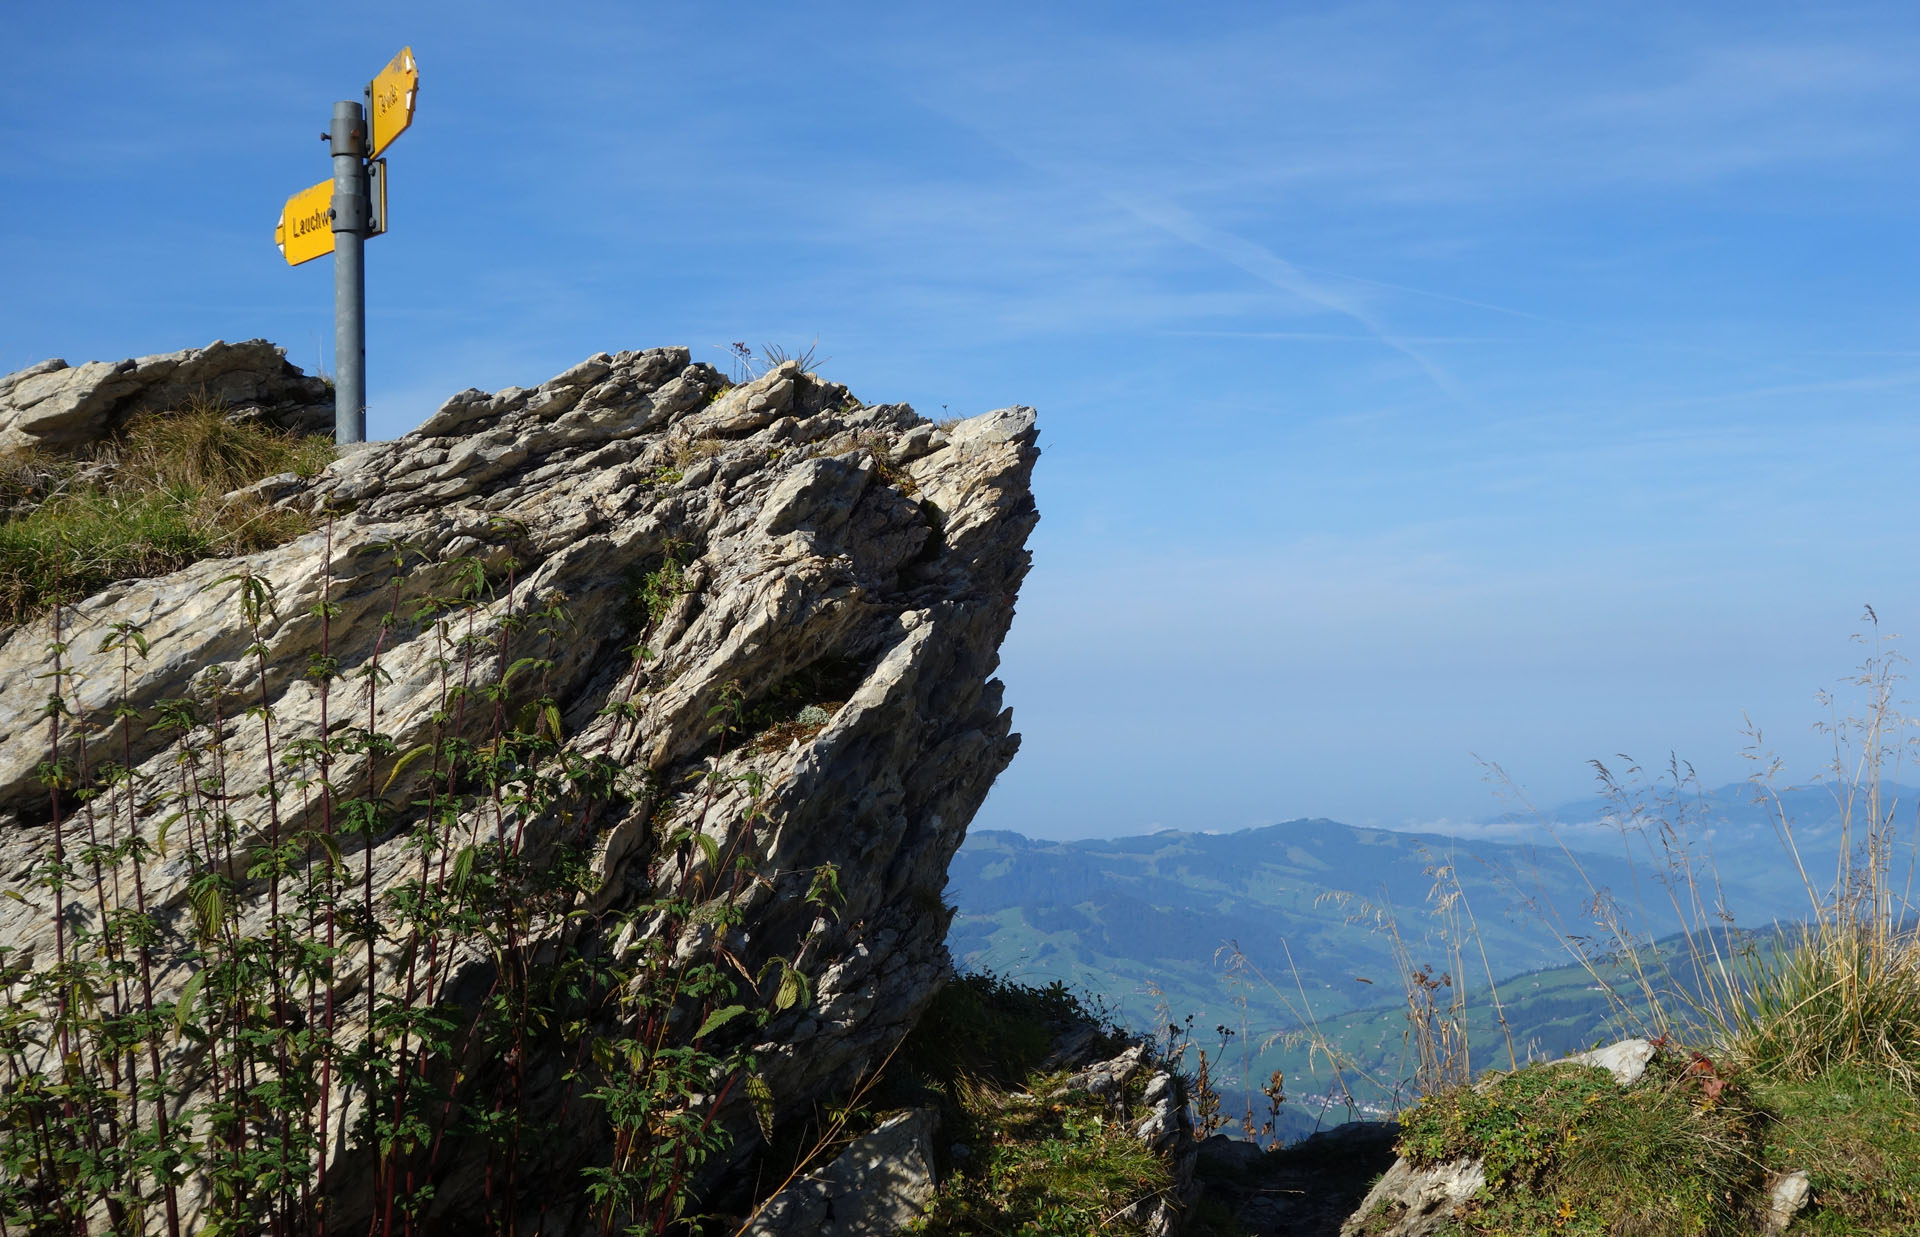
x,y
1152,924
1303,900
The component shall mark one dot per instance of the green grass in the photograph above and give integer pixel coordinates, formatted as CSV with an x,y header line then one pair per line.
x,y
1839,997
1049,1167
1043,1161
1566,1150
1858,1137
151,501
1690,1150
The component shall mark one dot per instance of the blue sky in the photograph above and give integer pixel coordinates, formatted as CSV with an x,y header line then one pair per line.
x,y
1417,382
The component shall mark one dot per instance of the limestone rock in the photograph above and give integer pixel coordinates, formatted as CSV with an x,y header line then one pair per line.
x,y
1786,1195
876,1187
1626,1060
55,406
812,539
1108,1079
1412,1202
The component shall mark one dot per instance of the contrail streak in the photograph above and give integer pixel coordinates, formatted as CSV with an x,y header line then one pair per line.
x,y
1270,268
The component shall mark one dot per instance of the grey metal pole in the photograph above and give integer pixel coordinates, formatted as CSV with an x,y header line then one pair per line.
x,y
350,207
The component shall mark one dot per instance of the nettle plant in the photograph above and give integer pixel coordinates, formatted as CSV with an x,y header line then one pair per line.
x,y
303,1042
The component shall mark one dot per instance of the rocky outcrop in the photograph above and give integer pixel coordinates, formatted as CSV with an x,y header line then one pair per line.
x,y
1626,1059
1160,1119
1306,1189
1418,1199
880,1184
665,554
1414,1202
61,407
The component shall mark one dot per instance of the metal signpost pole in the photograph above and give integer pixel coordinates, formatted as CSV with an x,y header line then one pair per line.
x,y
337,216
350,220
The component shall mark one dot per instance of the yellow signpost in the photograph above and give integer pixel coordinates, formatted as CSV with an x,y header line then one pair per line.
x,y
305,230
393,91
337,216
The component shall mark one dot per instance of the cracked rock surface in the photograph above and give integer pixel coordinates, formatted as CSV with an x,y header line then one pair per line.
x,y
63,407
812,536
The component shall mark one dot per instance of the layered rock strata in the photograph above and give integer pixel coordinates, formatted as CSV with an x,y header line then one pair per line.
x,y
61,407
796,542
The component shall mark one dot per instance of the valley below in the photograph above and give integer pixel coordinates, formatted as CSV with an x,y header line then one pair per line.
x,y
1317,948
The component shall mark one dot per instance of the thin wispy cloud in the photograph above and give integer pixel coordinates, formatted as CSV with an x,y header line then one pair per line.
x,y
1413,378
1865,382
1336,336
1270,268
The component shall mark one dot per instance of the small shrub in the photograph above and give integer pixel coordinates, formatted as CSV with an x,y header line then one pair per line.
x,y
661,587
893,474
102,1128
994,1030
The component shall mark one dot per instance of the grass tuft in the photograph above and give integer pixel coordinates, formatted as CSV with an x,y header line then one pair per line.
x,y
1042,1160
158,497
1566,1150
200,448
1834,998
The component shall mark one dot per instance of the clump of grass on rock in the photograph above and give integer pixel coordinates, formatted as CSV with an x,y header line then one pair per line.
x,y
1042,1160
157,497
1567,1150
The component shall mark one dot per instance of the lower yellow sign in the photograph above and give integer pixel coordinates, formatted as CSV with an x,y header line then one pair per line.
x,y
305,230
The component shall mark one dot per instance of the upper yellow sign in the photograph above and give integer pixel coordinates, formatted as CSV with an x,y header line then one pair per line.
x,y
392,93
305,230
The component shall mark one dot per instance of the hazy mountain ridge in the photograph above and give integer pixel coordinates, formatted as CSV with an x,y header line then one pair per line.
x,y
1118,916
1149,922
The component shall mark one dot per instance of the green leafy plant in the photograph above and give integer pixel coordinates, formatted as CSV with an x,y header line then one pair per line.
x,y
317,1020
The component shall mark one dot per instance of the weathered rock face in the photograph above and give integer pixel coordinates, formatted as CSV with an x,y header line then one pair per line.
x,y
852,565
62,407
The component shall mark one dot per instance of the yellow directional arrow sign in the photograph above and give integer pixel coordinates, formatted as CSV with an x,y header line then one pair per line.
x,y
305,230
392,92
